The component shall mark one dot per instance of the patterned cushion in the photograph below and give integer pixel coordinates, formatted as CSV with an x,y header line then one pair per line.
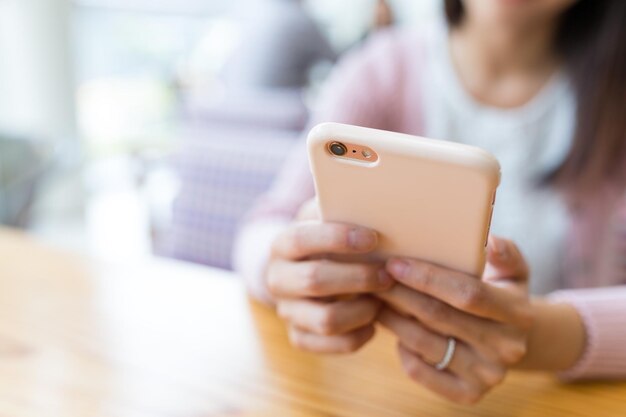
x,y
222,171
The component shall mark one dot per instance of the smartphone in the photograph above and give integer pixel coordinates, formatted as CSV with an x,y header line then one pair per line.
x,y
428,199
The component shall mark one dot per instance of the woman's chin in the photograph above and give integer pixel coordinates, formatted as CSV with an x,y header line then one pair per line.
x,y
516,12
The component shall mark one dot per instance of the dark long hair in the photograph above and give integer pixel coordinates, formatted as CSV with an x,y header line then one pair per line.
x,y
591,40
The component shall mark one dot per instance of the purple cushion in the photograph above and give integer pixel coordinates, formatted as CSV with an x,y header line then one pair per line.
x,y
223,170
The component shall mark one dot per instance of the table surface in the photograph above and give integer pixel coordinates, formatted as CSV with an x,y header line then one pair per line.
x,y
79,337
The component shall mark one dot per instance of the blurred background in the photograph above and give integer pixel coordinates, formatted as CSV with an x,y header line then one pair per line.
x,y
130,128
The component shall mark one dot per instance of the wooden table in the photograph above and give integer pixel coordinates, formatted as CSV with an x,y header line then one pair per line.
x,y
159,338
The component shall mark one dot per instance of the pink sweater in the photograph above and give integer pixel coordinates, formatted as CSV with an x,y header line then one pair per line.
x,y
377,86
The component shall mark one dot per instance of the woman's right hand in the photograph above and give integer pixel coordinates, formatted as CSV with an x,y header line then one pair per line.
x,y
305,284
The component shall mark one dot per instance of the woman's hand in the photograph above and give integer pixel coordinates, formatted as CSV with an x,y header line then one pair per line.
x,y
305,284
489,318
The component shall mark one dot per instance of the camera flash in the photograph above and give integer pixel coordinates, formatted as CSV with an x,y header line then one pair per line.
x,y
367,154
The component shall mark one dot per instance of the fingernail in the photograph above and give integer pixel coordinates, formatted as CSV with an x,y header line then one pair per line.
x,y
502,249
384,278
398,267
361,239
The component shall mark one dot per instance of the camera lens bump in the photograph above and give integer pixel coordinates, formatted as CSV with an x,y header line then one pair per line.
x,y
338,149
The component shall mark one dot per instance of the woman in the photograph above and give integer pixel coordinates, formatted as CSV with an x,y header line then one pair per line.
x,y
542,85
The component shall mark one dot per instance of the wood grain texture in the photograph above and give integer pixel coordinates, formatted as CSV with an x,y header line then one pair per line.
x,y
159,338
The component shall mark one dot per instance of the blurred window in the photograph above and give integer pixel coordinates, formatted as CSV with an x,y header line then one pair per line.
x,y
130,56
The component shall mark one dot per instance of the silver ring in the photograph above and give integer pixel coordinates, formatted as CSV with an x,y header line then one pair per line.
x,y
447,357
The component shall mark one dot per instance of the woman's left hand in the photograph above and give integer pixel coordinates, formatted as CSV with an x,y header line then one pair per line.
x,y
489,318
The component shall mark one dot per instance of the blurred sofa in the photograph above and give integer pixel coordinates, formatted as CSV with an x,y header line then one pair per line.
x,y
229,152
23,164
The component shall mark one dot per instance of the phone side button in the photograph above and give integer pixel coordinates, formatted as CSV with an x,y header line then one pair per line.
x,y
489,226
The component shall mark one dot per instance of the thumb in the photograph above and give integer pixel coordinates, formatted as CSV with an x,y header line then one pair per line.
x,y
505,261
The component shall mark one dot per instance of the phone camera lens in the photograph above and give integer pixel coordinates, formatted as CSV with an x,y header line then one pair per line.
x,y
338,149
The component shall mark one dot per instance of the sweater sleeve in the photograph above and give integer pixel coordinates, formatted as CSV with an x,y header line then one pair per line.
x,y
603,310
357,93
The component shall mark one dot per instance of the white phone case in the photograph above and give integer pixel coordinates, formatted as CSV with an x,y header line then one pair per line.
x,y
428,199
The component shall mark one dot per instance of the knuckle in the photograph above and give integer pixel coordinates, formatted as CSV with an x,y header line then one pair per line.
x,y
471,396
276,248
296,339
328,322
311,278
414,371
272,280
437,311
297,239
350,344
517,353
281,311
338,237
426,273
513,352
414,341
473,295
494,375
368,279
484,337
418,341
497,376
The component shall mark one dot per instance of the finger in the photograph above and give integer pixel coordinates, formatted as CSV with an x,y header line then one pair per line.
x,y
345,343
431,347
329,318
492,340
323,278
442,383
505,261
309,211
415,337
441,317
313,238
457,289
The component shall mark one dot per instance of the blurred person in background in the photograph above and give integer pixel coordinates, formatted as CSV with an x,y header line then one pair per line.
x,y
279,46
541,85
